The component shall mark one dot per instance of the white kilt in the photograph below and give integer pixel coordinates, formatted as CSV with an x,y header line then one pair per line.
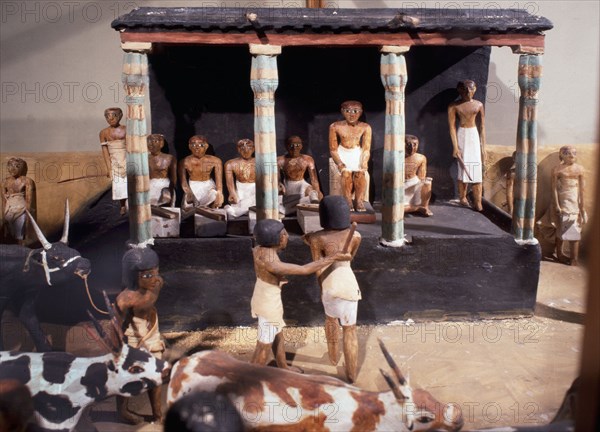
x,y
246,193
350,157
204,191
470,147
156,187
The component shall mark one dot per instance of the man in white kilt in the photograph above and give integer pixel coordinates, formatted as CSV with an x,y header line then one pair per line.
x,y
468,142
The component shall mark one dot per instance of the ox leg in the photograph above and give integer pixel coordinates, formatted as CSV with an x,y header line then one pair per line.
x,y
155,395
30,321
125,415
332,334
261,353
351,352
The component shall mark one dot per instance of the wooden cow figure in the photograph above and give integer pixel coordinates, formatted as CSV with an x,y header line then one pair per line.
x,y
275,399
63,385
24,272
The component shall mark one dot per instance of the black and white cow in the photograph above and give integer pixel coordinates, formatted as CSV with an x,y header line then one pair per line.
x,y
24,272
63,385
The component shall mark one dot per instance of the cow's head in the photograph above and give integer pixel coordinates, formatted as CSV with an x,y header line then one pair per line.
x,y
58,260
421,411
131,371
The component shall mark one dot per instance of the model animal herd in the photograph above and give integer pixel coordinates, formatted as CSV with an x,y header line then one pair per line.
x,y
25,272
63,385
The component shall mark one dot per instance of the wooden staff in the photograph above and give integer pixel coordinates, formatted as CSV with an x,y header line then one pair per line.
x,y
83,177
162,212
462,164
349,239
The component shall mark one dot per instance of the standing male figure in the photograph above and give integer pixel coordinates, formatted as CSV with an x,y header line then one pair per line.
x,y
141,283
567,199
293,167
417,186
163,172
468,142
201,190
350,149
112,140
18,195
271,238
339,289
240,176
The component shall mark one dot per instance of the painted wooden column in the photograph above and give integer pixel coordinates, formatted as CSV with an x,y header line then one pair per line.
x,y
264,81
135,81
523,217
394,78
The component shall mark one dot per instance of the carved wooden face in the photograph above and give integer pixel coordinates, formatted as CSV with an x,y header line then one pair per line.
x,y
155,143
467,90
411,145
568,155
198,146
16,167
294,146
352,113
113,116
245,148
150,280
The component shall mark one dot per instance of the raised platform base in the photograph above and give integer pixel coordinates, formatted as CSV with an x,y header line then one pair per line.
x,y
457,265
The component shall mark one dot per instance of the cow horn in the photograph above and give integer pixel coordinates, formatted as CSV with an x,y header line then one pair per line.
x,y
38,232
395,389
65,236
392,363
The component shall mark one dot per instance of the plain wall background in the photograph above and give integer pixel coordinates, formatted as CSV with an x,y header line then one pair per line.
x,y
60,67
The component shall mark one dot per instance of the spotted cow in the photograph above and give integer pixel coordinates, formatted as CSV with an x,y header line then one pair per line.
x,y
63,385
273,399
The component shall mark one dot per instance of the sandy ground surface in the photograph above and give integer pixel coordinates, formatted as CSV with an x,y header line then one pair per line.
x,y
500,372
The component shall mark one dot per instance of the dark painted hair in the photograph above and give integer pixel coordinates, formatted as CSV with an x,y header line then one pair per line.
x,y
334,212
203,412
134,261
267,232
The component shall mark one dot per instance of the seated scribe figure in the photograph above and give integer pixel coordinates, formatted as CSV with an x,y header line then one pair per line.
x,y
417,186
292,168
240,177
18,195
350,149
266,305
163,172
195,174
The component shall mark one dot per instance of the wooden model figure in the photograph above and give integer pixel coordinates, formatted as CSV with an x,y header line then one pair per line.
x,y
18,196
114,151
339,289
141,283
417,186
468,143
240,175
350,148
293,167
163,172
568,204
271,238
200,190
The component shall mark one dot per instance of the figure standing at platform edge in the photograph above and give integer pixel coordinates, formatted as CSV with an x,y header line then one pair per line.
x,y
340,292
468,142
141,284
112,140
18,195
266,305
350,148
569,214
